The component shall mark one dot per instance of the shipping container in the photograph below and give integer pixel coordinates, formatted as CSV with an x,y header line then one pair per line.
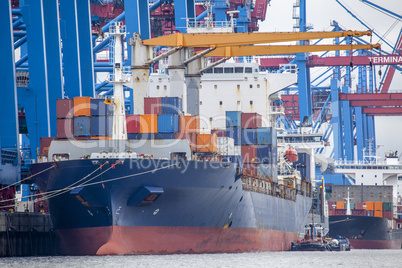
x,y
148,123
82,106
237,150
234,133
340,204
152,105
172,105
101,138
369,205
251,120
250,170
378,206
331,212
265,170
133,123
352,205
45,145
65,128
64,108
168,123
388,214
258,154
387,206
99,125
378,213
370,213
100,108
233,119
248,136
331,205
82,126
359,212
340,211
225,146
191,137
238,159
134,136
360,205
266,136
189,124
220,133
207,143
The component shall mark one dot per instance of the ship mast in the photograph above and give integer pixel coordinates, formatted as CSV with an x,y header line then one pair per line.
x,y
118,78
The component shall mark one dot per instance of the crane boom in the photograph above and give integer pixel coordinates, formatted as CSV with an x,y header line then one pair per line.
x,y
233,39
239,51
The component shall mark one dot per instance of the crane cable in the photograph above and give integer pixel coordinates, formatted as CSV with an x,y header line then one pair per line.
x,y
53,166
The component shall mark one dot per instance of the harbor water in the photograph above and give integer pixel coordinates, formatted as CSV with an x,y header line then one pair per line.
x,y
353,258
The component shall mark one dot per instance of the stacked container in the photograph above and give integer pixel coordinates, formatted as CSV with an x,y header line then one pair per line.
x,y
225,146
65,115
45,145
101,119
152,105
233,126
82,116
206,143
172,105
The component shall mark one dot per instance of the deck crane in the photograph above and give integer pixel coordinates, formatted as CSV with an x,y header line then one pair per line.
x,y
224,45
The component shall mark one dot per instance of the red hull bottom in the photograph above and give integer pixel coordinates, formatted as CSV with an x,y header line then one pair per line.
x,y
375,244
125,240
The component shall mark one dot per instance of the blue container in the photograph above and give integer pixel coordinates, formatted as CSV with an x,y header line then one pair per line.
x,y
82,126
238,159
168,123
172,105
234,133
249,136
233,119
267,154
165,136
100,108
99,126
265,170
266,136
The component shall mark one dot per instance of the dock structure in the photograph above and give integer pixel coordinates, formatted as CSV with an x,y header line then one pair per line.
x,y
26,234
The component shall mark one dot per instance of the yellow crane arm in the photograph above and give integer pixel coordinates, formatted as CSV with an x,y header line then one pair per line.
x,y
238,51
237,39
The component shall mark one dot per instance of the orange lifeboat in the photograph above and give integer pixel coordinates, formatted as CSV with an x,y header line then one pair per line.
x,y
291,154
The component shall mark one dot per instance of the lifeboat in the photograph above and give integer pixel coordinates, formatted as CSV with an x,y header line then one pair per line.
x,y
291,154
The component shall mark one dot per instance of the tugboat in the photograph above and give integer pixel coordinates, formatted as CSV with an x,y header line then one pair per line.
x,y
313,240
340,244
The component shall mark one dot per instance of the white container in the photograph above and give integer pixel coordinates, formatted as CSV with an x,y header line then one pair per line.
x,y
225,146
237,150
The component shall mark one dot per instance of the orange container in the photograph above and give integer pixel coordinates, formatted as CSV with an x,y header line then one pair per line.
x,y
378,206
189,124
340,205
148,123
82,106
369,205
378,213
207,143
101,138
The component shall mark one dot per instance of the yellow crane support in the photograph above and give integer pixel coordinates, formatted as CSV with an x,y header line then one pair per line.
x,y
237,39
239,51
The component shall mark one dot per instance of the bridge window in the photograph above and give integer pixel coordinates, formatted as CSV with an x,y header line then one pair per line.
x,y
248,70
239,70
228,70
218,70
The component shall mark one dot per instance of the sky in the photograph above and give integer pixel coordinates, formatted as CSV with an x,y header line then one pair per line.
x,y
320,13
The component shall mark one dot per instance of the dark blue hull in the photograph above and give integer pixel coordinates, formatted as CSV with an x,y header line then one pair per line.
x,y
182,205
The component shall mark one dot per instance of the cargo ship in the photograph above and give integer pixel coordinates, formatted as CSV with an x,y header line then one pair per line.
x,y
369,223
159,183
